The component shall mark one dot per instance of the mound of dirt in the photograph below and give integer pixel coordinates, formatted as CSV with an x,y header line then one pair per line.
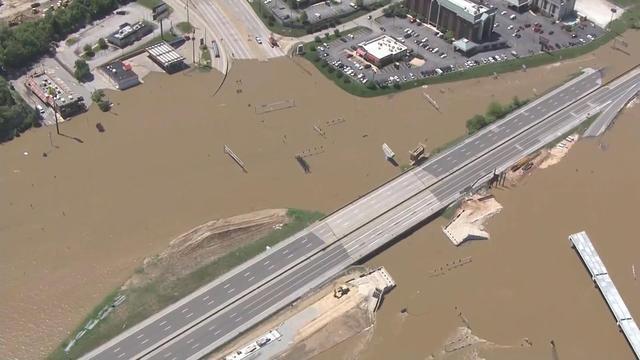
x,y
206,242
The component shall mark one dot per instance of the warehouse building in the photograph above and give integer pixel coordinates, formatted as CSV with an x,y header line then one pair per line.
x,y
382,50
463,18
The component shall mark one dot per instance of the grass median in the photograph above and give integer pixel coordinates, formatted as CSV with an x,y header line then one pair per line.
x,y
143,301
630,19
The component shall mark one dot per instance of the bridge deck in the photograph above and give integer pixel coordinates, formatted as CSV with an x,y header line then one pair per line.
x,y
591,259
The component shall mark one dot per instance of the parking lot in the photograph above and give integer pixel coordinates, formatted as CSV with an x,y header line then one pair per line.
x,y
431,55
317,12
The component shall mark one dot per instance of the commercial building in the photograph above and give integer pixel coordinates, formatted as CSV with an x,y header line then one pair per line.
x,y
166,57
127,34
121,75
557,9
469,48
382,50
519,5
53,93
463,18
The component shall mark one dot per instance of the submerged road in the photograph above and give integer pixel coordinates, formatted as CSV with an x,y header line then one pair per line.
x,y
230,304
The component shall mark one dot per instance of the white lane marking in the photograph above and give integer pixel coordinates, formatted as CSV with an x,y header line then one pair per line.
x,y
284,252
233,315
226,286
308,245
270,267
304,239
167,328
231,290
116,350
139,336
238,319
189,315
212,327
121,355
163,322
211,302
203,299
247,273
184,310
195,346
144,342
217,332
251,278
290,256
167,354
189,341
267,262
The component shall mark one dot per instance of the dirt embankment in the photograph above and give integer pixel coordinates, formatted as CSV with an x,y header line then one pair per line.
x,y
469,219
207,242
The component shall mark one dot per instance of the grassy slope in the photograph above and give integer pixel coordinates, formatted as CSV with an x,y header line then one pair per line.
x,y
146,300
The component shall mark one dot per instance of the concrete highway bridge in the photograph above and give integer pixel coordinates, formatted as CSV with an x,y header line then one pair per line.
x,y
233,303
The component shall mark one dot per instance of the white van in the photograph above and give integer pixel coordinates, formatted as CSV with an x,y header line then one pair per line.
x,y
40,109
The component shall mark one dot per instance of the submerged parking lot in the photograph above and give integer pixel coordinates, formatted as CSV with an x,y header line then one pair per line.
x,y
429,54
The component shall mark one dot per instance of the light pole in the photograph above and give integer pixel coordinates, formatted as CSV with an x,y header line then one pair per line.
x,y
613,12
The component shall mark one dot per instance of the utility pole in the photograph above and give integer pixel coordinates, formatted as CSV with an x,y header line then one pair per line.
x,y
55,114
193,45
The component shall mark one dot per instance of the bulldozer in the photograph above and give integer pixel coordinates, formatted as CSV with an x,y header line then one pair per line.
x,y
341,291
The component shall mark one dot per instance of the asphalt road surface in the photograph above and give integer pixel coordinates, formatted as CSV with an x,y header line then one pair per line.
x,y
327,263
356,216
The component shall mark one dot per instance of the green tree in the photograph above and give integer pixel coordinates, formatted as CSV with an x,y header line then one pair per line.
x,y
81,70
360,3
88,50
102,43
318,39
15,115
304,18
336,32
448,36
476,123
104,105
495,110
97,95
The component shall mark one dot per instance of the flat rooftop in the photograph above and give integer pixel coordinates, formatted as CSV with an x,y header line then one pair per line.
x,y
466,9
383,46
120,71
164,54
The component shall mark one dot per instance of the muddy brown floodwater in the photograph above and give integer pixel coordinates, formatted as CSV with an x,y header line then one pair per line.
x,y
75,224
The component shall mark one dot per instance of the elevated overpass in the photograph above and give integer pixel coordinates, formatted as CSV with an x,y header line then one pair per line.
x,y
219,311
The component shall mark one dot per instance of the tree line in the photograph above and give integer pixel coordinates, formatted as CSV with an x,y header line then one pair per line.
x,y
15,115
27,42
494,112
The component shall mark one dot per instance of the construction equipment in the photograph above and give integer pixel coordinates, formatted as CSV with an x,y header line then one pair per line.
x,y
272,41
418,154
341,291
